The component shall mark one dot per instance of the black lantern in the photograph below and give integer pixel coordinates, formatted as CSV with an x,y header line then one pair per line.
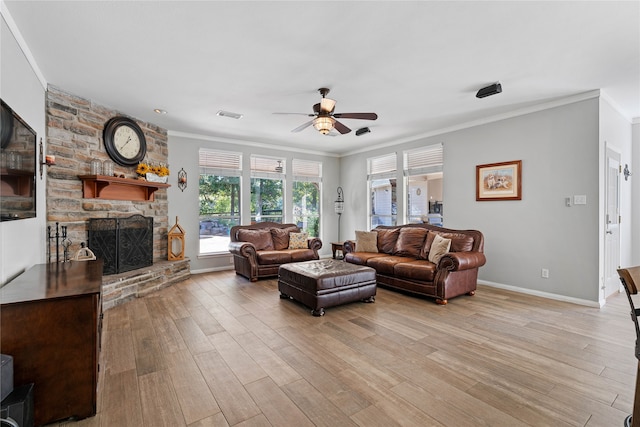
x,y
338,205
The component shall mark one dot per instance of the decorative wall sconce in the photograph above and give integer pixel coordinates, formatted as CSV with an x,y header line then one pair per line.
x,y
182,179
338,206
176,242
626,172
47,160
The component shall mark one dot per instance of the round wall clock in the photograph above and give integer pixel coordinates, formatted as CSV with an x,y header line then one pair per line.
x,y
124,141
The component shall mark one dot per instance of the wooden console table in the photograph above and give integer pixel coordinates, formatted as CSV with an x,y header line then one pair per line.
x,y
51,321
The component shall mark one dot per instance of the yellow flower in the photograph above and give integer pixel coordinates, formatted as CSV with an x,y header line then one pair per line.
x,y
164,171
142,169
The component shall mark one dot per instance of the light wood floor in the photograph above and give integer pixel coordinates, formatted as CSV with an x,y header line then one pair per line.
x,y
218,350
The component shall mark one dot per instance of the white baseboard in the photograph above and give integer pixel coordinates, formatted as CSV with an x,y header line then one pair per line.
x,y
548,295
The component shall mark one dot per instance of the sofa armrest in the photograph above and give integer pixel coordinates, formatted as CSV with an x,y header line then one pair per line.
x,y
348,246
315,244
243,249
457,261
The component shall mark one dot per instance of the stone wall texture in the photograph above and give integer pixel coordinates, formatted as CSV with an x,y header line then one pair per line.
x,y
74,136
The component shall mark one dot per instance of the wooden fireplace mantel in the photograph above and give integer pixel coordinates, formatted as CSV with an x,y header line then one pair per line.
x,y
113,188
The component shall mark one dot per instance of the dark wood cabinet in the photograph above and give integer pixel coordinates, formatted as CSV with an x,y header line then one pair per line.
x,y
50,323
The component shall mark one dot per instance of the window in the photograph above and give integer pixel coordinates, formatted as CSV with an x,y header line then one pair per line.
x,y
267,189
381,179
423,177
220,175
307,176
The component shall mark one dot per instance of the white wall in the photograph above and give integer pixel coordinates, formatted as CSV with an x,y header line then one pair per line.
x,y
635,189
615,133
22,241
559,148
183,153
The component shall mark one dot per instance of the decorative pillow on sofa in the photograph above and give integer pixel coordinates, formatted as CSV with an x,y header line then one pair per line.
x,y
439,247
387,238
298,241
366,241
280,237
410,241
261,239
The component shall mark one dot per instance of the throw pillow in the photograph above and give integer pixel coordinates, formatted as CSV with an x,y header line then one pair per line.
x,y
410,242
366,241
261,239
439,247
298,241
280,237
387,238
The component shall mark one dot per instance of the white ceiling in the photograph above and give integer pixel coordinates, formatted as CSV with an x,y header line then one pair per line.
x,y
417,64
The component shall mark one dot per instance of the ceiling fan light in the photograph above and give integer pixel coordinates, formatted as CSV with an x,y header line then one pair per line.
x,y
327,105
323,124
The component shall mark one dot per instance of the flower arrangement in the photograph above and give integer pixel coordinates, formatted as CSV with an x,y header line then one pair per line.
x,y
150,172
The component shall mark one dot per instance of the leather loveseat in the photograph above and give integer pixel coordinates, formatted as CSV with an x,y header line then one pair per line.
x,y
401,257
260,249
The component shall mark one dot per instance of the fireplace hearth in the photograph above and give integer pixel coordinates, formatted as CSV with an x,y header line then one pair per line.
x,y
124,244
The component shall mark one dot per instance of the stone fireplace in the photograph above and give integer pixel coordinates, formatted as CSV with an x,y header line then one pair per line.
x,y
75,136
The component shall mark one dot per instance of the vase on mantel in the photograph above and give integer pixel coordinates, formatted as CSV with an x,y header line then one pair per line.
x,y
152,177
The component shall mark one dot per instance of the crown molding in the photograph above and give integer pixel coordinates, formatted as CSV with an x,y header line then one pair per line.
x,y
4,12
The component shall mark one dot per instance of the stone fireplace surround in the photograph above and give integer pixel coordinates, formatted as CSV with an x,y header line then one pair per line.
x,y
74,136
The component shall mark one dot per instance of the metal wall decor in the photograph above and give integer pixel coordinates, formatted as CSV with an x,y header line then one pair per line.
x,y
182,179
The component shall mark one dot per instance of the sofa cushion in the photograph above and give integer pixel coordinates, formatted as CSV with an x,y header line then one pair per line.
x,y
280,237
273,257
261,239
410,242
387,239
361,258
298,241
439,247
299,255
421,270
366,241
385,264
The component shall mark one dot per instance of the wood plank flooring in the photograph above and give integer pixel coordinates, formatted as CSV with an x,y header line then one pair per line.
x,y
218,350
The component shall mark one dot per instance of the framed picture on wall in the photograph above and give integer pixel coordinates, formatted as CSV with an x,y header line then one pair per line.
x,y
499,181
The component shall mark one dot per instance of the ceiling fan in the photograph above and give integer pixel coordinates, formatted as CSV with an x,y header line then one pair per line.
x,y
325,119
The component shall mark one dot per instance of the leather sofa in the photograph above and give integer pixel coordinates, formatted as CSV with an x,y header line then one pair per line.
x,y
260,249
402,260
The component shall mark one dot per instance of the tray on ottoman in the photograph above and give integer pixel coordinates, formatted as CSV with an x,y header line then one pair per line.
x,y
326,283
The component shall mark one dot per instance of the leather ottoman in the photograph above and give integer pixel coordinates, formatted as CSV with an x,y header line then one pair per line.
x,y
326,283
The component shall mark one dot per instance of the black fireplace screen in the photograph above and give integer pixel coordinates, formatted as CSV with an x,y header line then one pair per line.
x,y
124,244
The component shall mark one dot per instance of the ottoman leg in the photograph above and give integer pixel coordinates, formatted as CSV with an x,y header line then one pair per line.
x,y
371,299
319,312
284,296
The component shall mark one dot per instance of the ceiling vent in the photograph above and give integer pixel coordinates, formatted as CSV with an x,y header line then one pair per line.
x,y
223,113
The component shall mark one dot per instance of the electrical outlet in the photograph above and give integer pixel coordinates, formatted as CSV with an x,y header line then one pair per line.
x,y
545,273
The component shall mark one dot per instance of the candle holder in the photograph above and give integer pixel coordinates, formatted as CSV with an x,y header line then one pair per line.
x,y
47,160
182,179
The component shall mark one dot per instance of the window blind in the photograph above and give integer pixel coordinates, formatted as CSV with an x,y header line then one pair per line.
x,y
224,163
267,167
382,167
423,160
307,170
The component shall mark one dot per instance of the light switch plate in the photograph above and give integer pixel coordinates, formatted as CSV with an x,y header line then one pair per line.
x,y
580,200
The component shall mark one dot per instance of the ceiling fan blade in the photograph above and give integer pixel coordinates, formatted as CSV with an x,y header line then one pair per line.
x,y
341,128
298,114
362,116
302,126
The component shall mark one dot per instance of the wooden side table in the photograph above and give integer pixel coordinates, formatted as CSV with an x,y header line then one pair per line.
x,y
337,246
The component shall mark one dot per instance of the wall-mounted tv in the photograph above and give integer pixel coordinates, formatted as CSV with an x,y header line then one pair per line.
x,y
17,166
